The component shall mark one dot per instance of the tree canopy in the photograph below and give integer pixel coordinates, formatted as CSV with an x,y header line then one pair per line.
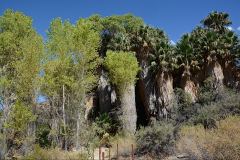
x,y
123,68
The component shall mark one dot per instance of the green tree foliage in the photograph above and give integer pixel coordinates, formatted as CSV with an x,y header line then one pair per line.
x,y
123,68
70,67
86,43
57,68
217,21
154,43
185,53
17,123
21,50
214,41
120,30
19,118
117,32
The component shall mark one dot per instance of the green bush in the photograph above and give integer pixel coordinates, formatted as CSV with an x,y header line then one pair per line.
x,y
104,124
156,140
42,135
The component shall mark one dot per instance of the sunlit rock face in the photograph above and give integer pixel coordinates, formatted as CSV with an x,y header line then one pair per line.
x,y
90,104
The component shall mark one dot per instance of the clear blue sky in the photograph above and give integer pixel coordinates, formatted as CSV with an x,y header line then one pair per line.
x,y
176,17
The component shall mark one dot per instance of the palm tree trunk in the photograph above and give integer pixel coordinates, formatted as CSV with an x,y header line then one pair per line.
x,y
215,71
188,85
128,106
166,94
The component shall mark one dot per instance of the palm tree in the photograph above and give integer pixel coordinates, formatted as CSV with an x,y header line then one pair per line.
x,y
218,21
188,63
123,68
221,43
215,52
163,63
156,57
143,42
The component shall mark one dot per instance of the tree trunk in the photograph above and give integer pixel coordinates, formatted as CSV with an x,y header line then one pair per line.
x,y
166,94
215,71
7,104
80,116
78,130
188,85
128,106
64,118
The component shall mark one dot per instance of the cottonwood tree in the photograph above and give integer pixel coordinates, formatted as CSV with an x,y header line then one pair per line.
x,y
58,75
86,42
21,51
123,68
70,73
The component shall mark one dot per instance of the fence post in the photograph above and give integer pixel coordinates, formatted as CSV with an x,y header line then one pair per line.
x,y
102,155
117,151
99,153
132,153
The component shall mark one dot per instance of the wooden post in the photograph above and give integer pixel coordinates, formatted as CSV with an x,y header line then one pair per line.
x,y
132,153
109,153
99,153
117,150
102,155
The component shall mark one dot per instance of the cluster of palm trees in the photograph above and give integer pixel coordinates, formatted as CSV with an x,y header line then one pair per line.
x,y
208,51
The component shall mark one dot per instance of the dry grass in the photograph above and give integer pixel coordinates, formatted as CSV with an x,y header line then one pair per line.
x,y
53,154
124,145
220,144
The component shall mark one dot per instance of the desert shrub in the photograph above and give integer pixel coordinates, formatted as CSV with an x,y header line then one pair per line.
x,y
183,108
228,103
104,124
215,106
155,140
218,144
208,93
54,153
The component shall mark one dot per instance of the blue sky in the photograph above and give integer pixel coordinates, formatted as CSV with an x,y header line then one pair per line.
x,y
175,17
